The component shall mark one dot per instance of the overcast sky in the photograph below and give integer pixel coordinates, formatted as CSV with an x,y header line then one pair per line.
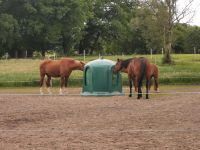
x,y
195,6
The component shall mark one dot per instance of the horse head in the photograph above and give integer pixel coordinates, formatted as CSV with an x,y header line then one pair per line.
x,y
82,64
118,66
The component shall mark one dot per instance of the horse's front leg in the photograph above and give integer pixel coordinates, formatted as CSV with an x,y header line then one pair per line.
x,y
62,84
66,74
48,83
139,92
66,83
41,84
130,86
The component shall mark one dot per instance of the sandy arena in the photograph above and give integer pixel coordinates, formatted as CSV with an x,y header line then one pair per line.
x,y
74,122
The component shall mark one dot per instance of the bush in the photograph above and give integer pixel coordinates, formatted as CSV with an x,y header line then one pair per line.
x,y
37,55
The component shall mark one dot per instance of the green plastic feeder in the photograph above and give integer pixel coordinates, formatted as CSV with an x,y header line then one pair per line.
x,y
99,79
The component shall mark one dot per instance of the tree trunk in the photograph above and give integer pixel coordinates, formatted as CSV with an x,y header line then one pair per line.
x,y
65,44
16,54
43,53
95,44
167,55
168,33
91,51
168,47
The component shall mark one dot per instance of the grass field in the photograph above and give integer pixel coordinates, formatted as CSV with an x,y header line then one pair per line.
x,y
25,72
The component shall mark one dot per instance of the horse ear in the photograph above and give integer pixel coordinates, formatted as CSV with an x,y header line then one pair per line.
x,y
82,63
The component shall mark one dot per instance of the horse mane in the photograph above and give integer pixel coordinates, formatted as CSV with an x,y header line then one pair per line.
x,y
126,62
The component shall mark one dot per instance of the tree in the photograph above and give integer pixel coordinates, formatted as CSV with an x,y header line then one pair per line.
x,y
180,33
108,28
48,24
9,33
148,30
171,16
73,22
193,40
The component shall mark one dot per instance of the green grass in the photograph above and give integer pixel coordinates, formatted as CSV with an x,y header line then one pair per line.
x,y
25,72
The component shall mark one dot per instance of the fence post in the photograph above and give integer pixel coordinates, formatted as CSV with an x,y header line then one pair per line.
x,y
151,53
84,55
195,52
6,55
26,53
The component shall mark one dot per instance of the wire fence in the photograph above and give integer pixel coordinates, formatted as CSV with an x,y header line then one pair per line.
x,y
108,131
79,94
77,82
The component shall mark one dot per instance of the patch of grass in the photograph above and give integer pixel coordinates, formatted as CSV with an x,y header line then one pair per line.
x,y
25,72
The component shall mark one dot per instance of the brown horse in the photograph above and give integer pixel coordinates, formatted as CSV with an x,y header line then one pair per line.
x,y
137,69
152,71
58,68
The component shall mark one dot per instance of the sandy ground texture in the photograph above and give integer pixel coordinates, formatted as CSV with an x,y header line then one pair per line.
x,y
74,122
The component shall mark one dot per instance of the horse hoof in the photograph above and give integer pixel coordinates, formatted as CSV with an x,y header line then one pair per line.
x,y
157,91
41,93
130,95
49,91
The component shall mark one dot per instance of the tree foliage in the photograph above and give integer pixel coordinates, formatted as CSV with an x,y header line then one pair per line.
x,y
96,26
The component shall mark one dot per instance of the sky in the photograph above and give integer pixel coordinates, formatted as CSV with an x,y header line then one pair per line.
x,y
195,6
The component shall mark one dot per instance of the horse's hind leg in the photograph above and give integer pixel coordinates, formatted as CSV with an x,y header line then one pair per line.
x,y
48,83
147,88
41,83
136,84
156,84
150,83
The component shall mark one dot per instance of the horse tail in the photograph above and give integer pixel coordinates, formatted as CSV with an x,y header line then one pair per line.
x,y
143,71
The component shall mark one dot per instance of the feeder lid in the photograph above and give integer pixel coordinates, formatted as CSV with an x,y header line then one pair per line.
x,y
100,62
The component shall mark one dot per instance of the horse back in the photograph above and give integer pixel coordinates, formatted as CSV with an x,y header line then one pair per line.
x,y
50,68
133,68
137,65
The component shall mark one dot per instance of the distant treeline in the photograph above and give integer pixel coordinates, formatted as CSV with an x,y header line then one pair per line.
x,y
96,26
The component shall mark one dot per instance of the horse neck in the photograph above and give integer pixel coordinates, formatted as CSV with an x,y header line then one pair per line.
x,y
125,64
76,66
125,70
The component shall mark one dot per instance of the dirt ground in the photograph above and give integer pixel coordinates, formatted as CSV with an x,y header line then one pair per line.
x,y
170,121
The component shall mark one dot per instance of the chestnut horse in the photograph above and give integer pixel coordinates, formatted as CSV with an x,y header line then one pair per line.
x,y
153,72
137,69
58,68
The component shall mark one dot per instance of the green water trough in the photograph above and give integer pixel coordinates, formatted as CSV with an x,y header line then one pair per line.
x,y
99,79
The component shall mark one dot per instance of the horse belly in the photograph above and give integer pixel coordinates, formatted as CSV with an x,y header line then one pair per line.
x,y
53,72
